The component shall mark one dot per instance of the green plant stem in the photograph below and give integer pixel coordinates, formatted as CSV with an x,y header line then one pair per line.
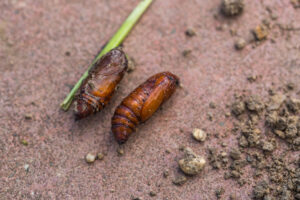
x,y
114,42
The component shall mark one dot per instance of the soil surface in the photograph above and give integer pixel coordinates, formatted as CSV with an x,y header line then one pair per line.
x,y
45,46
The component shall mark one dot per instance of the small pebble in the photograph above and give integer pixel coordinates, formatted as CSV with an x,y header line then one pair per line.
x,y
186,53
100,156
274,16
261,32
212,105
131,65
181,148
240,44
26,167
220,192
24,142
223,154
252,78
227,114
266,22
136,198
112,190
290,86
152,194
235,174
210,116
179,180
233,32
223,144
190,32
199,135
222,27
90,158
120,151
166,174
28,116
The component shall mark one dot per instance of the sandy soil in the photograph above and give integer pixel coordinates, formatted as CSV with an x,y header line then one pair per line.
x,y
36,74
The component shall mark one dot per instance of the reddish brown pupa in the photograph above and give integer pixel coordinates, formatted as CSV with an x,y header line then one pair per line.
x,y
140,104
98,88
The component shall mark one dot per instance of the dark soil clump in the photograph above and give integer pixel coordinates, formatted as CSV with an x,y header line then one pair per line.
x,y
278,175
232,7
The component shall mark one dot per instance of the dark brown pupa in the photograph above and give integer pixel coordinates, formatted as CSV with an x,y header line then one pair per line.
x,y
98,88
140,104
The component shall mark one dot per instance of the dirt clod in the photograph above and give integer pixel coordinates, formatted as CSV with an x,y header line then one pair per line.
x,y
214,159
219,192
190,32
293,105
179,180
166,173
296,3
238,107
233,197
191,164
243,142
268,146
290,86
186,52
235,154
261,190
280,116
252,78
279,134
261,32
254,104
275,102
232,7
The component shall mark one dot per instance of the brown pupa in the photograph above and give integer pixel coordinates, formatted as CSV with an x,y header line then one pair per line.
x,y
142,103
98,88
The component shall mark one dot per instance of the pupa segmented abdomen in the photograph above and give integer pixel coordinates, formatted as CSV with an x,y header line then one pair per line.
x,y
142,103
98,88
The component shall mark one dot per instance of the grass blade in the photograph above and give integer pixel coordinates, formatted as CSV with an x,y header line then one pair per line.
x,y
114,42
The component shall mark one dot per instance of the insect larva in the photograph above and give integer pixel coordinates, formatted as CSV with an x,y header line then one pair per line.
x,y
140,104
97,89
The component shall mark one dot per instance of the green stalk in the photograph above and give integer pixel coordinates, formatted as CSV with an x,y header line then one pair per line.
x,y
114,42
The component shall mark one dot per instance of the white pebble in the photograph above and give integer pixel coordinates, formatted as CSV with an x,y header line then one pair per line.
x,y
199,135
90,158
26,167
